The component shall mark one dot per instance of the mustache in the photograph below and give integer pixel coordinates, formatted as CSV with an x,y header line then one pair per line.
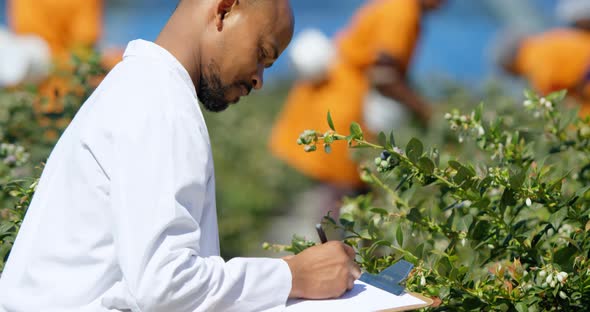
x,y
244,84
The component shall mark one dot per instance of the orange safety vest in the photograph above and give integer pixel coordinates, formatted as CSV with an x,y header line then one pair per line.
x,y
556,60
382,26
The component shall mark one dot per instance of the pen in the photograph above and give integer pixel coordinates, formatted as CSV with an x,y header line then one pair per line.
x,y
321,233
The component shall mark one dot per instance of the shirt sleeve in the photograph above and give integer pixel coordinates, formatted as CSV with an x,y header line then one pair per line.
x,y
158,186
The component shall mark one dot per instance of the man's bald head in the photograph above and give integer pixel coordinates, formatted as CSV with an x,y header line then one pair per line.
x,y
227,44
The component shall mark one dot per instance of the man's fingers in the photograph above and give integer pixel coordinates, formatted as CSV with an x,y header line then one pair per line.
x,y
355,271
350,284
349,251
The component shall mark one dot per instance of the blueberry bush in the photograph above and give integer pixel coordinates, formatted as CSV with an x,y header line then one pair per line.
x,y
496,218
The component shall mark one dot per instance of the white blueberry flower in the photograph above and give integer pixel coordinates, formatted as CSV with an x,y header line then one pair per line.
x,y
549,279
561,276
528,202
542,273
548,104
543,101
422,281
562,294
552,284
528,103
448,116
480,131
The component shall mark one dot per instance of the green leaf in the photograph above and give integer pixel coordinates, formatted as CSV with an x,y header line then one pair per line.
x,y
380,211
557,96
391,139
4,251
508,197
480,229
426,165
472,303
484,184
419,252
372,230
529,94
5,227
356,131
329,219
517,180
462,175
382,139
414,215
557,217
478,112
330,122
346,223
414,149
538,236
455,165
565,258
399,236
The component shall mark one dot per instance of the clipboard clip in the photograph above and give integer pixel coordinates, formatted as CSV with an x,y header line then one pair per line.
x,y
390,278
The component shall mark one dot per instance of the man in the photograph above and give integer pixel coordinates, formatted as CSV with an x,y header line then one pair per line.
x,y
124,215
380,40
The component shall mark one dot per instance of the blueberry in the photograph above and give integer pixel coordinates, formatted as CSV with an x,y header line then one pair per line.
x,y
385,155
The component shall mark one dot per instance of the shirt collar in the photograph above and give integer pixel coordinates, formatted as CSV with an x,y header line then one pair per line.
x,y
149,49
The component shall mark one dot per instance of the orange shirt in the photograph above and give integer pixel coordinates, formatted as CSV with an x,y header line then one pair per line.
x,y
64,24
555,60
388,26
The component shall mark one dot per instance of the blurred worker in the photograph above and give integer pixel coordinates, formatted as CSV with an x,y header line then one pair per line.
x,y
554,60
66,25
374,51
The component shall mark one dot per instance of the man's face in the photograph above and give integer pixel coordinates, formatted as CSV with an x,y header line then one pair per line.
x,y
245,41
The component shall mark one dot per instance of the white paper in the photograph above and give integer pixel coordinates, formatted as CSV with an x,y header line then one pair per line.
x,y
362,297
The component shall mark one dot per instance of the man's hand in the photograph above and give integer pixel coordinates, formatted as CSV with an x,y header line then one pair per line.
x,y
323,271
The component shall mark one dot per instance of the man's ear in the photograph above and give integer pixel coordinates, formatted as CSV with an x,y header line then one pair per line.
x,y
223,8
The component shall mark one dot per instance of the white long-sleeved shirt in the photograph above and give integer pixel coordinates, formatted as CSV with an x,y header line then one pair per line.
x,y
124,215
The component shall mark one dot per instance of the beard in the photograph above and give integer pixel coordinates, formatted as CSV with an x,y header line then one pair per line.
x,y
211,91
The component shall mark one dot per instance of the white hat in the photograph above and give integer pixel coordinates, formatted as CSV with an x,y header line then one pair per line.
x,y
312,53
571,11
23,59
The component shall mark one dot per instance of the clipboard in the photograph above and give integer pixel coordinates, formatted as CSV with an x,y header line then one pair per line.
x,y
375,293
428,302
